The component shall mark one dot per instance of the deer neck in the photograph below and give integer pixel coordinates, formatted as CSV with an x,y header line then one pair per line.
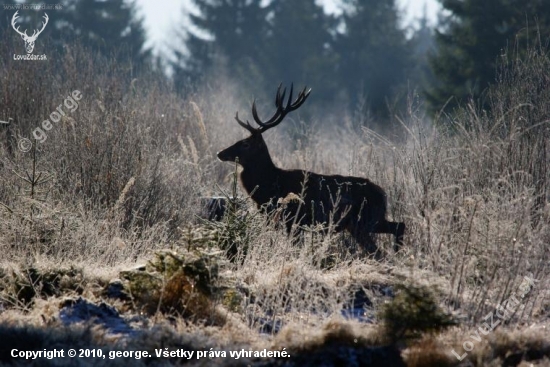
x,y
261,178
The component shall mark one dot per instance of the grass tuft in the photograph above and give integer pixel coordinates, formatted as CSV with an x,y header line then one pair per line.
x,y
412,313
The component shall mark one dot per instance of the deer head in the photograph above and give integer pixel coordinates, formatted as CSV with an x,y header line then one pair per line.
x,y
253,149
29,40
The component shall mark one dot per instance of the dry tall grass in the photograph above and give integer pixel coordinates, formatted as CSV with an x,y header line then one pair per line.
x,y
121,177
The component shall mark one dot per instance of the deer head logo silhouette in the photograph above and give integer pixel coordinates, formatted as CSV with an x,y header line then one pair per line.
x,y
29,40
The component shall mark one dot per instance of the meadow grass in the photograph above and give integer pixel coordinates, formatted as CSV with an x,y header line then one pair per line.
x,y
117,185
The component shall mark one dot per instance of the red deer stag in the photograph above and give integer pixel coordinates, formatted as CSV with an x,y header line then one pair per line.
x,y
351,203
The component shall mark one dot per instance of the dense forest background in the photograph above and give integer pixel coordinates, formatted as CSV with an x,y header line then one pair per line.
x,y
363,59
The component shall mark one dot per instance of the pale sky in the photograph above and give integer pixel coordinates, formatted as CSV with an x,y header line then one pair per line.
x,y
162,17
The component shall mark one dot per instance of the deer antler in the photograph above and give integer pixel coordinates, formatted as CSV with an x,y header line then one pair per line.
x,y
280,113
13,21
46,19
24,34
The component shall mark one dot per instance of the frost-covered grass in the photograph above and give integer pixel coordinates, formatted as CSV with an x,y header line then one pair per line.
x,y
117,183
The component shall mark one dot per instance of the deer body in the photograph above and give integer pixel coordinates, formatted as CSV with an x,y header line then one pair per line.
x,y
349,203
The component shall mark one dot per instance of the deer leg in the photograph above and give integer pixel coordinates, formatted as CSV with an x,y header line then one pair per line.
x,y
293,231
399,233
395,228
364,238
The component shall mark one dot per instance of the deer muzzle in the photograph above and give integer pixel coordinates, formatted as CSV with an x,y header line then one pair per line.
x,y
224,156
